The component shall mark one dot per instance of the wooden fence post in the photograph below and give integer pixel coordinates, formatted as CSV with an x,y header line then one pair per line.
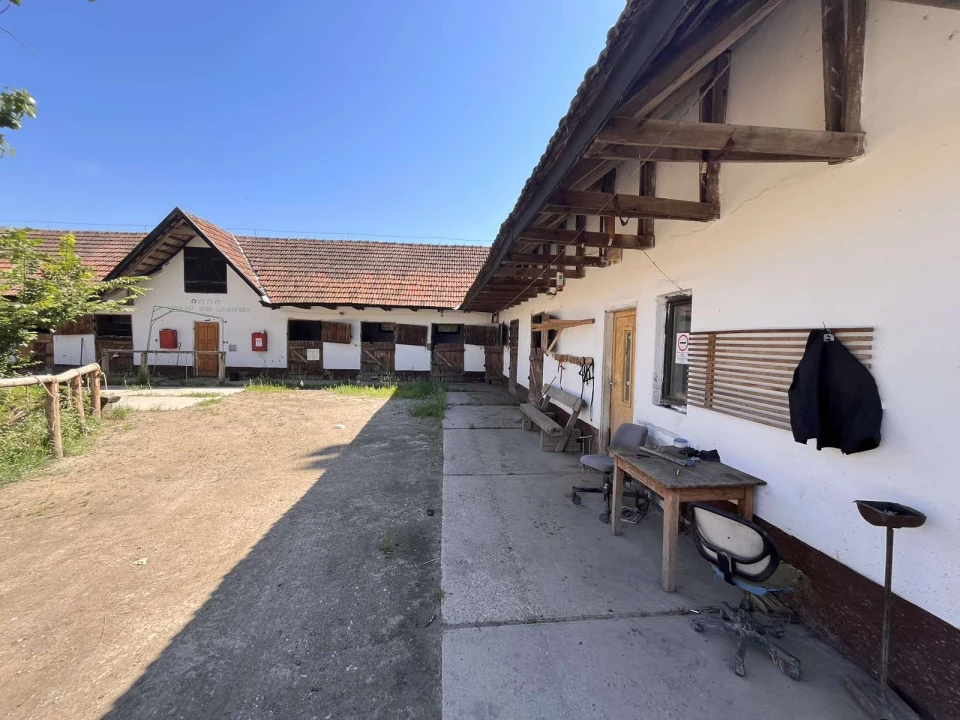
x,y
76,390
221,367
143,363
105,363
95,393
51,407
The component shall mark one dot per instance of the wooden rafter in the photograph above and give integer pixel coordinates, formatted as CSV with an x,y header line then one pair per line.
x,y
666,78
629,206
558,261
586,238
618,152
718,137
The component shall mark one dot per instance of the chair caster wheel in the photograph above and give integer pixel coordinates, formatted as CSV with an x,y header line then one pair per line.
x,y
697,626
604,517
576,499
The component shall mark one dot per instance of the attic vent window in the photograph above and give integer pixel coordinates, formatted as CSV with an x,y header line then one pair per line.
x,y
204,271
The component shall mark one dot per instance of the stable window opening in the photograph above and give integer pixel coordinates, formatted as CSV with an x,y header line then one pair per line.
x,y
114,326
305,330
204,270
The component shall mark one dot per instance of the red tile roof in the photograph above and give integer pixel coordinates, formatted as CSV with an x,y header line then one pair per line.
x,y
227,244
325,272
99,249
358,272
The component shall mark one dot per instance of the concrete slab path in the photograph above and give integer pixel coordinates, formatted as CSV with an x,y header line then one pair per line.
x,y
547,615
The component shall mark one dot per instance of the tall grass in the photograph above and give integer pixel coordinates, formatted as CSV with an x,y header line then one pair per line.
x,y
432,395
24,446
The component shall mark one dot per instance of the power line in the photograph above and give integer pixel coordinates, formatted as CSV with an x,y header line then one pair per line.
x,y
255,232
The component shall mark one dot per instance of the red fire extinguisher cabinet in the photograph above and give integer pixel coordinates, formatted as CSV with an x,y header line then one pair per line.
x,y
259,341
168,339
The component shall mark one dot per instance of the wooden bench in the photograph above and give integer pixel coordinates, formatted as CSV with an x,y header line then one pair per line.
x,y
553,436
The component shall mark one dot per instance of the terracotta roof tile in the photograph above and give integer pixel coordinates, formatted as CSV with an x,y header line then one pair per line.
x,y
99,249
226,243
329,272
358,272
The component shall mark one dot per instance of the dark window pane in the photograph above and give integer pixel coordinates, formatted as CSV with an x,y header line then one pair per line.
x,y
679,312
305,330
114,326
204,271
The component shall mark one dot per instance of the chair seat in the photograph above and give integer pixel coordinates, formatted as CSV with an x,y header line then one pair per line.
x,y
600,463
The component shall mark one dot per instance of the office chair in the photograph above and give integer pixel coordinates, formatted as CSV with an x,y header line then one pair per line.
x,y
627,437
743,555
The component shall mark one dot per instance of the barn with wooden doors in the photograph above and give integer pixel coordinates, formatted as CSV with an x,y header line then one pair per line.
x,y
234,305
730,176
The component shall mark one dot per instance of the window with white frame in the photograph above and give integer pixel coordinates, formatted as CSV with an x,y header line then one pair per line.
x,y
673,388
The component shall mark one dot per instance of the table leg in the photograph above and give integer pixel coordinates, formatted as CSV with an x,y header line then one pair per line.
x,y
745,506
671,529
616,502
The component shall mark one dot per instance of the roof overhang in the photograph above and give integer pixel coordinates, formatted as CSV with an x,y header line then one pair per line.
x,y
162,243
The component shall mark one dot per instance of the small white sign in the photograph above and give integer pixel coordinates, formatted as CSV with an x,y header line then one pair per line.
x,y
681,355
313,354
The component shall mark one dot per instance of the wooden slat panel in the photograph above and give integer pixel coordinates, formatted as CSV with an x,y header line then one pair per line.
x,y
747,373
410,334
335,332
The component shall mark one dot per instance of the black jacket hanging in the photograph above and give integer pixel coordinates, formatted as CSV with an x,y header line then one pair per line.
x,y
834,398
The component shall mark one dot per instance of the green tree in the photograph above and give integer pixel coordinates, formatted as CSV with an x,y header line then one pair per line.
x,y
45,290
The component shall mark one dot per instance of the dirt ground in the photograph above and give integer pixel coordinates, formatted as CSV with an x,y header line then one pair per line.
x,y
247,559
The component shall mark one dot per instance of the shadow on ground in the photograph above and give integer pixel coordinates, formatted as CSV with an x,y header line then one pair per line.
x,y
333,613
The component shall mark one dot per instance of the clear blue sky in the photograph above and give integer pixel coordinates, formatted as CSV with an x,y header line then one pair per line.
x,y
383,117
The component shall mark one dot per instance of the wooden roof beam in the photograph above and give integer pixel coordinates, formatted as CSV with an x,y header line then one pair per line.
x,y
584,202
619,152
557,261
586,238
721,137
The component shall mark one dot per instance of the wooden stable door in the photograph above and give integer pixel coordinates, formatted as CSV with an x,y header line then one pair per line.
x,y
447,362
622,368
206,343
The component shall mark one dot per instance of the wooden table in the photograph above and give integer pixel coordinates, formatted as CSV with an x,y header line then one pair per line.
x,y
675,484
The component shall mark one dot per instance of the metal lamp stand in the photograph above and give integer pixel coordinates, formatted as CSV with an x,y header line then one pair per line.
x,y
883,703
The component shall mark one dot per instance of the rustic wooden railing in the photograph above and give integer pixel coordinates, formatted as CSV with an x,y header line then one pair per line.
x,y
51,405
145,354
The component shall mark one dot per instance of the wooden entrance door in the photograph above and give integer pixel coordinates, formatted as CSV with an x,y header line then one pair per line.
x,y
305,357
514,341
622,368
206,343
447,362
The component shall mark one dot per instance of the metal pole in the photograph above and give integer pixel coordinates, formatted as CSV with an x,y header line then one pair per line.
x,y
887,596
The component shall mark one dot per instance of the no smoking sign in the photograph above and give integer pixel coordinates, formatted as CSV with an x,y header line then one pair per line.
x,y
682,349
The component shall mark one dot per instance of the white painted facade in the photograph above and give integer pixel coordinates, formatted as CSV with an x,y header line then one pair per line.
x,y
167,307
868,243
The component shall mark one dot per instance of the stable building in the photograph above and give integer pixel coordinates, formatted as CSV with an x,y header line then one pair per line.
x,y
237,306
729,177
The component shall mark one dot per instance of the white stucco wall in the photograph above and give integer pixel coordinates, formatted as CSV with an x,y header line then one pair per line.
x,y
868,243
241,313
74,350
